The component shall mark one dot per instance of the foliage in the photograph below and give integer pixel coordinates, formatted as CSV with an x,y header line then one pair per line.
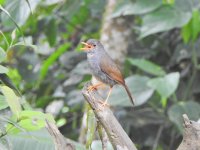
x,y
190,108
42,68
148,66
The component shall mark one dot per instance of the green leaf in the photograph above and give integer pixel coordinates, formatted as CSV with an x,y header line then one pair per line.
x,y
30,121
195,24
51,59
191,30
36,115
34,47
19,11
12,100
185,5
26,125
3,103
2,2
51,31
7,14
139,89
2,55
129,7
35,140
175,112
186,32
6,80
5,38
12,123
3,69
163,19
166,85
61,122
147,66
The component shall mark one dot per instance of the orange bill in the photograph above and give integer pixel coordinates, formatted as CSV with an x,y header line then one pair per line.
x,y
86,46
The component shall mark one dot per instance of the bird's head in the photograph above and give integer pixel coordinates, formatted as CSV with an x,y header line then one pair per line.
x,y
92,45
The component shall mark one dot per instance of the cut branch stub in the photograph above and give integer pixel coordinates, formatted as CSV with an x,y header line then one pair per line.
x,y
191,135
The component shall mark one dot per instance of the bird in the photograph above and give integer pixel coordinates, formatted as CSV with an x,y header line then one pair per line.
x,y
103,68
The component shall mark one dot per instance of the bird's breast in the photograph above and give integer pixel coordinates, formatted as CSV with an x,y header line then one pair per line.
x,y
90,55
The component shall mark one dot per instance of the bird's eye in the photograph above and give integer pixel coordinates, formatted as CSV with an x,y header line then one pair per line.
x,y
94,45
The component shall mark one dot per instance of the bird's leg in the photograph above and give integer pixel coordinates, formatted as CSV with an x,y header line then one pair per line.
x,y
94,87
105,103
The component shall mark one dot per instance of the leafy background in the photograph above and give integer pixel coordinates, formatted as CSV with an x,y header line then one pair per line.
x,y
42,71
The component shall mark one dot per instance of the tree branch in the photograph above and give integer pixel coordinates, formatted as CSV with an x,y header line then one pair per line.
x,y
191,135
61,143
116,134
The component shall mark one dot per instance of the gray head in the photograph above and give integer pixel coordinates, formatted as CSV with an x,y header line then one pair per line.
x,y
92,46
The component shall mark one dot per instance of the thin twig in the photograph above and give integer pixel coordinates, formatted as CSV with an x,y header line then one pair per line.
x,y
158,137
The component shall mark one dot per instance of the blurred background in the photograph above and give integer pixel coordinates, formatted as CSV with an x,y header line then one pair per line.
x,y
156,44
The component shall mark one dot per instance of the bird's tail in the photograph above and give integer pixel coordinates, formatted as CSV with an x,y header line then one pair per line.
x,y
129,94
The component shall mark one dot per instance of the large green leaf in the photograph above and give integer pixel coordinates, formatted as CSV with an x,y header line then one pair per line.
x,y
166,85
129,7
2,54
175,112
12,100
163,19
30,121
147,66
19,11
139,89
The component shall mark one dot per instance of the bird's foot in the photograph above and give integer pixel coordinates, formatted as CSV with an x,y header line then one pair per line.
x,y
103,105
94,87
91,88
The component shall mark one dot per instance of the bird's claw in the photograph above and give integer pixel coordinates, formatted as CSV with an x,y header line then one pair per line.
x,y
103,105
91,88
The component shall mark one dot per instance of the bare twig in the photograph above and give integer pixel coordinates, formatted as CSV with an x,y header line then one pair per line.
x,y
116,134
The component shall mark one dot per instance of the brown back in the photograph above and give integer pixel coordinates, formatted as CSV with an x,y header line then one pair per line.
x,y
109,67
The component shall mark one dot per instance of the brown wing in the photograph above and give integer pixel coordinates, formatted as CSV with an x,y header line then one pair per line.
x,y
108,66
